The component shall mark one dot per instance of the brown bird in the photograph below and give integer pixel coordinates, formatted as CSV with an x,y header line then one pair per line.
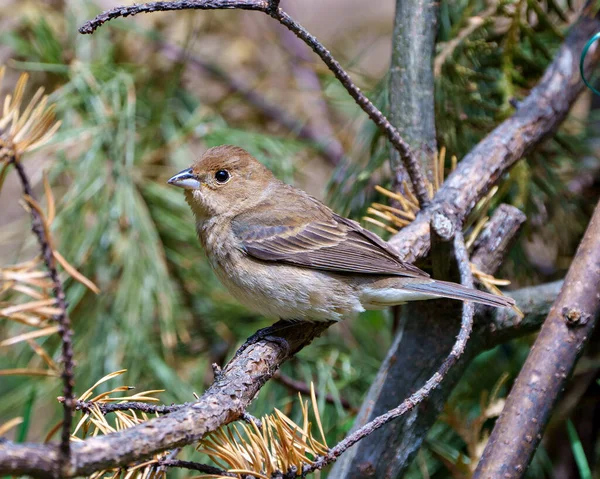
x,y
283,253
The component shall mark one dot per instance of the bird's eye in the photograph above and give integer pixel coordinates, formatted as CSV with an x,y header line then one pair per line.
x,y
222,176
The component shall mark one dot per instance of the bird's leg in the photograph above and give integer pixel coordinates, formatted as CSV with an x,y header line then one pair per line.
x,y
269,334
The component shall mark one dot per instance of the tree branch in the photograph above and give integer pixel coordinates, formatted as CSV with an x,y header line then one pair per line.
x,y
544,376
107,408
272,9
537,116
411,83
64,323
223,402
131,10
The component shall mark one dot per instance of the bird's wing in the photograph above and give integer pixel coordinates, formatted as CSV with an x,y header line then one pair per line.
x,y
317,238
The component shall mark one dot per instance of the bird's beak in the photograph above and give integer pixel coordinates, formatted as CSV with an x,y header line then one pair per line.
x,y
185,179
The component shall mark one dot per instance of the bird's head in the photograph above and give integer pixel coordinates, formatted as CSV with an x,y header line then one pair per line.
x,y
224,180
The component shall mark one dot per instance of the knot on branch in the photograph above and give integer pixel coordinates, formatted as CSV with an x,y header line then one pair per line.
x,y
574,316
443,226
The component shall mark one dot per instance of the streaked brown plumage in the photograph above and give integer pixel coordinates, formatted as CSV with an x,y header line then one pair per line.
x,y
285,254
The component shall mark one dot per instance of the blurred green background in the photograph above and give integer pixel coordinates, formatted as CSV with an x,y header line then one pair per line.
x,y
142,98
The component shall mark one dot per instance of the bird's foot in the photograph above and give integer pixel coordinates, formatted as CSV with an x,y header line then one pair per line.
x,y
269,334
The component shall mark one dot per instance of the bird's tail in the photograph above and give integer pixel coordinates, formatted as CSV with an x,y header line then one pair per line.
x,y
443,289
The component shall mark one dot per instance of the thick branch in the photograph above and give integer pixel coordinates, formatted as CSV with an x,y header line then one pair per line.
x,y
224,402
411,82
272,8
536,117
549,365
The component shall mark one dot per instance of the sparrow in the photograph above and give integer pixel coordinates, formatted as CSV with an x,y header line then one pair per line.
x,y
283,253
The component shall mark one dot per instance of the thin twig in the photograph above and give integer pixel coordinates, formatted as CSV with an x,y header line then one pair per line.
x,y
272,9
107,407
64,323
250,419
131,10
408,158
273,6
171,456
415,399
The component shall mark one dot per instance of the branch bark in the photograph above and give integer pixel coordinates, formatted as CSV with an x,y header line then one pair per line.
x,y
411,83
544,376
537,116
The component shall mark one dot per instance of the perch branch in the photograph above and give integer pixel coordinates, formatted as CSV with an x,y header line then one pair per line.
x,y
180,428
544,376
272,9
223,402
64,323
